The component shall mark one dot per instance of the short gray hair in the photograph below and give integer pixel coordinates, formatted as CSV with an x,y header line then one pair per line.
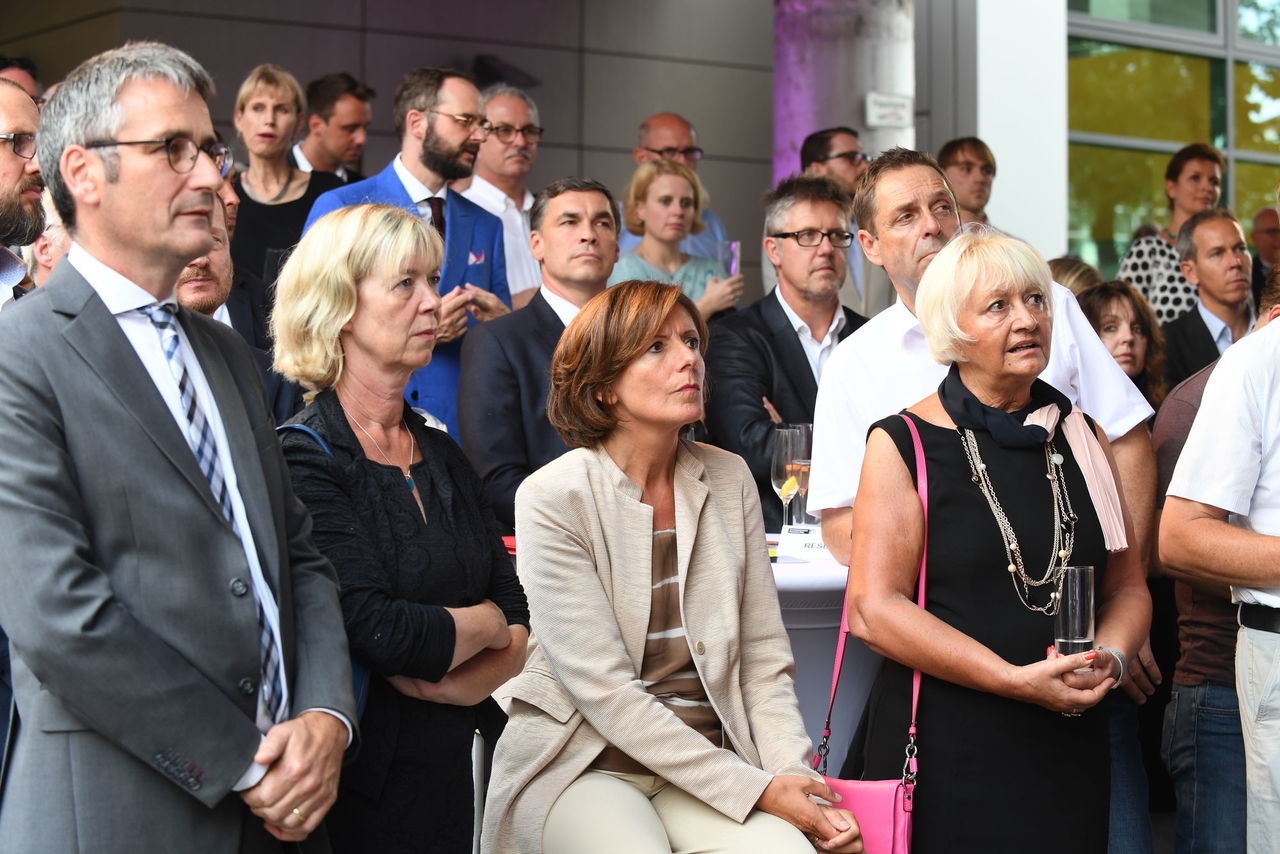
x,y
86,107
1186,246
499,90
977,254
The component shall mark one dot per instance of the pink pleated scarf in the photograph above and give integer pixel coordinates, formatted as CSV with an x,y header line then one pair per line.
x,y
1093,464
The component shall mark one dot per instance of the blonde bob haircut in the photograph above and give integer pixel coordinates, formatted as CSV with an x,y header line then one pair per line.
x,y
644,176
978,256
269,76
613,329
316,289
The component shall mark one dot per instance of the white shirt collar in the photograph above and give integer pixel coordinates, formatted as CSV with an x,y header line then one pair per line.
x,y
564,309
305,165
118,292
490,192
1218,327
798,324
418,191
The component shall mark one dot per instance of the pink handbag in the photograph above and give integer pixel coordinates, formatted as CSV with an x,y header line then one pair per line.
x,y
882,807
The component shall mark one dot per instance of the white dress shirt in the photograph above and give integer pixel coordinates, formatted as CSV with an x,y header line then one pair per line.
x,y
564,309
1232,457
523,272
817,352
305,165
418,191
886,366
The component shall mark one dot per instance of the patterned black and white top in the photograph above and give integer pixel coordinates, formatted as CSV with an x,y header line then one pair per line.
x,y
1151,266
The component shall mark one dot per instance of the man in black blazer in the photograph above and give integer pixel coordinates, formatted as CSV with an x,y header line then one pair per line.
x,y
339,113
506,363
1215,258
764,362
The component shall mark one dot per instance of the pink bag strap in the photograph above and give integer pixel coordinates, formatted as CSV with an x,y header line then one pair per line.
x,y
922,490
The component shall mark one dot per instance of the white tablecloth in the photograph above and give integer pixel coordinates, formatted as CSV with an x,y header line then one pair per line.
x,y
811,594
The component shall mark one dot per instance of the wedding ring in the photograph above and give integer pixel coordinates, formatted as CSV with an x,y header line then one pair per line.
x,y
298,814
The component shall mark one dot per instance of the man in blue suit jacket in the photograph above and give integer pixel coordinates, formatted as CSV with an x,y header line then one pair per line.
x,y
441,126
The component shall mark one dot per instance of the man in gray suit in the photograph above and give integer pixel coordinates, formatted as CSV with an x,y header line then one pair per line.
x,y
179,659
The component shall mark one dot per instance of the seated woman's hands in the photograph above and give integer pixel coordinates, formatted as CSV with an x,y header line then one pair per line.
x,y
1053,684
827,827
720,294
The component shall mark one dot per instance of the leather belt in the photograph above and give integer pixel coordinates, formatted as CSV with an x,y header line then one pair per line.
x,y
1260,617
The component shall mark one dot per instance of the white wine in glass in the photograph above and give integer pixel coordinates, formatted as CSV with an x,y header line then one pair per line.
x,y
781,469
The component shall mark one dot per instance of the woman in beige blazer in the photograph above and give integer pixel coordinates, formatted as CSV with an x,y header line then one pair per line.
x,y
658,710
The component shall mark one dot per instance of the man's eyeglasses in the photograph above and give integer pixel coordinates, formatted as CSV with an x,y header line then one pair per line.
x,y
24,144
507,133
468,121
854,157
691,153
183,152
812,237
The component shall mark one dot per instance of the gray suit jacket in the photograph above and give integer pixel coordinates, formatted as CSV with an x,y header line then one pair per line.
x,y
125,593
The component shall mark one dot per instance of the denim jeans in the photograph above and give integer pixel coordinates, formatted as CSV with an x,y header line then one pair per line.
x,y
1130,824
1204,751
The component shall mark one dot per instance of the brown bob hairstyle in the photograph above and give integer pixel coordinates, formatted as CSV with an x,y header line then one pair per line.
x,y
610,333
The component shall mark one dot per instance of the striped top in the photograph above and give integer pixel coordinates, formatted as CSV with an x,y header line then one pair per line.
x,y
667,670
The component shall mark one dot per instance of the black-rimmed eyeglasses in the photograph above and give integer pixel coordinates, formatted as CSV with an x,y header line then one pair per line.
x,y
24,144
691,153
183,152
854,157
507,133
811,237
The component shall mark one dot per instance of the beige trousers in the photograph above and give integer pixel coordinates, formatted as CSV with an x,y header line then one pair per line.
x,y
644,814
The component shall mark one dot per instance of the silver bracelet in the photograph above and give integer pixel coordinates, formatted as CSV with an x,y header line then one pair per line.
x,y
1124,663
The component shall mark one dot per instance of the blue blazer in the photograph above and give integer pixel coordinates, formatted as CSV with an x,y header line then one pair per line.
x,y
473,254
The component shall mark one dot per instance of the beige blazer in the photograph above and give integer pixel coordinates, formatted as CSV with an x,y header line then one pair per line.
x,y
586,544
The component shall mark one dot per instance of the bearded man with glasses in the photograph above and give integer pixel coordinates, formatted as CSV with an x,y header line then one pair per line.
x,y
441,126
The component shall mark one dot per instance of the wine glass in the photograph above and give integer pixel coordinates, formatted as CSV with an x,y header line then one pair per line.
x,y
786,439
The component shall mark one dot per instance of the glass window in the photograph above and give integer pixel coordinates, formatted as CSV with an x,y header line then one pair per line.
x,y
1259,21
1255,189
1257,107
1187,14
1112,192
1149,94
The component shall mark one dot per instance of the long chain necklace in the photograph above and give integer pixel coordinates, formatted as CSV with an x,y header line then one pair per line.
x,y
408,478
1064,525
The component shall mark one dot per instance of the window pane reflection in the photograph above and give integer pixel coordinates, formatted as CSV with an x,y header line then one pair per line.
x,y
1255,189
1188,14
1259,21
1257,107
1112,192
1150,94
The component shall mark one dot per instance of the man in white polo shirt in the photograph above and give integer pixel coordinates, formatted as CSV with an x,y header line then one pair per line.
x,y
906,213
1221,523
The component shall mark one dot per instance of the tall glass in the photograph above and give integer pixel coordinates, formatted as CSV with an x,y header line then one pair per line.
x,y
785,440
1073,623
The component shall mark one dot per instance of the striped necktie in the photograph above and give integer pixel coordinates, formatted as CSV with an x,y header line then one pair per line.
x,y
204,445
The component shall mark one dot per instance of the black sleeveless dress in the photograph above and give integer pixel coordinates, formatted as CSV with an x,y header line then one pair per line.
x,y
995,774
